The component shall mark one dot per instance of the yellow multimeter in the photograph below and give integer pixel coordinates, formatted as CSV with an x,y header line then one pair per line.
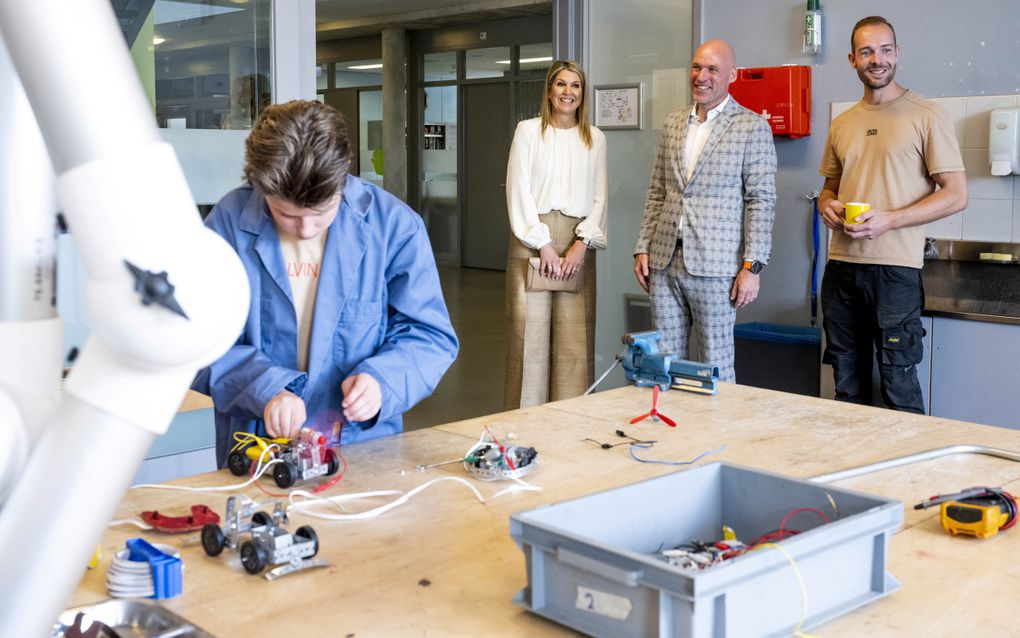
x,y
981,517
979,511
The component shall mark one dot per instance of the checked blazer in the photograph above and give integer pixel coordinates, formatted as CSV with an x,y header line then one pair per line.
x,y
728,204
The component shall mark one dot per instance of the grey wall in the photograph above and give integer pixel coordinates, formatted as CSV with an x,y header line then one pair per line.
x,y
631,42
947,48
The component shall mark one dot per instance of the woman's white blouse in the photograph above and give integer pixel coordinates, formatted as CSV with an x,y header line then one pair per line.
x,y
556,171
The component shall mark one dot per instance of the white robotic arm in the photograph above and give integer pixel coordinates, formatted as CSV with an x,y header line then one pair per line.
x,y
165,297
29,329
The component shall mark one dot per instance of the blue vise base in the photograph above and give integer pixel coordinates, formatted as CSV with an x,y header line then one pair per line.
x,y
645,364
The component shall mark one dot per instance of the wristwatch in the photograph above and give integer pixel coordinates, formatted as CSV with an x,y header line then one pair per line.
x,y
754,266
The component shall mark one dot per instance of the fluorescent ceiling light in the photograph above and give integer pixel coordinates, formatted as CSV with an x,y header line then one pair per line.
x,y
156,40
527,60
362,67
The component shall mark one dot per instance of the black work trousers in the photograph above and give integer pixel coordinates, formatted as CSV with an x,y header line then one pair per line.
x,y
873,310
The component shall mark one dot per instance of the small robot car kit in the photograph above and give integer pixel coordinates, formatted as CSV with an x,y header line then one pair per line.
x,y
490,460
262,540
303,458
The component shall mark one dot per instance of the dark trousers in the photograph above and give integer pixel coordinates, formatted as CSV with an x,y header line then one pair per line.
x,y
873,310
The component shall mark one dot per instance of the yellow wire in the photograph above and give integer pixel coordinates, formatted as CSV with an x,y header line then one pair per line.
x,y
242,440
803,590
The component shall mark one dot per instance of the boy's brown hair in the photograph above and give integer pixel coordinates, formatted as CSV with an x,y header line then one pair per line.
x,y
300,152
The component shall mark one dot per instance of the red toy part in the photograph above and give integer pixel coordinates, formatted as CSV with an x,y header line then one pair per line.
x,y
654,413
200,515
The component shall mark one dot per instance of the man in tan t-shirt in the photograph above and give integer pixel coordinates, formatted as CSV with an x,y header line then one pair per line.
x,y
889,150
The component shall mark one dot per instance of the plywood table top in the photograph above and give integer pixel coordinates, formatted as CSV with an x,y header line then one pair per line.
x,y
443,564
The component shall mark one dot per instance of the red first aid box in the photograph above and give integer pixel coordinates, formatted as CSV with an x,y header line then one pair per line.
x,y
780,94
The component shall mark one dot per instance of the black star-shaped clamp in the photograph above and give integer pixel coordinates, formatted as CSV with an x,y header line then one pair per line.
x,y
155,288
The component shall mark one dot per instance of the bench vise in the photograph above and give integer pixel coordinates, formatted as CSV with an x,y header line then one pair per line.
x,y
646,365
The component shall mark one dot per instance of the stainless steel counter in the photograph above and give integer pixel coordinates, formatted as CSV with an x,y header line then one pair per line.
x,y
972,290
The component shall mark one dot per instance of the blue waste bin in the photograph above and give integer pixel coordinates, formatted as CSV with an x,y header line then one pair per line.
x,y
778,357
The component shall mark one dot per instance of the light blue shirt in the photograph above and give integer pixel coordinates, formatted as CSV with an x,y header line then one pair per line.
x,y
379,310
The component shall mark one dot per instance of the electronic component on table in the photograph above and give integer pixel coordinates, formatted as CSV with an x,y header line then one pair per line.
x,y
697,555
491,461
269,542
978,511
622,434
302,458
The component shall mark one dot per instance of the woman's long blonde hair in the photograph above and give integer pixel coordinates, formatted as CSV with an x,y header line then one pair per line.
x,y
581,114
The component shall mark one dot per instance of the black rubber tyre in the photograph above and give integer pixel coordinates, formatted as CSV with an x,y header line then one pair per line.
x,y
261,518
238,463
213,540
284,474
332,463
253,557
305,532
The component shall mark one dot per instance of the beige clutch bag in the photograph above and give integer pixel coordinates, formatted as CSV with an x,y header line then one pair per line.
x,y
539,283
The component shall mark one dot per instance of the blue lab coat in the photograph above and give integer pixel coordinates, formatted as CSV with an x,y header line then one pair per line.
x,y
378,309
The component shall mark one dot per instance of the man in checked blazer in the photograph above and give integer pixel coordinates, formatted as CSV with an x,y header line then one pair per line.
x,y
707,227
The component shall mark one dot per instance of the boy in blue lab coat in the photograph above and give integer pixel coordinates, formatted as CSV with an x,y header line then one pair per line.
x,y
347,320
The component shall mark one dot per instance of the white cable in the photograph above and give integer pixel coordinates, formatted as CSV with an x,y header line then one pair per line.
x,y
260,469
604,375
129,521
312,501
309,506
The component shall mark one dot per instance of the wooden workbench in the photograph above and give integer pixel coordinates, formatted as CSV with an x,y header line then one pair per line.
x,y
443,564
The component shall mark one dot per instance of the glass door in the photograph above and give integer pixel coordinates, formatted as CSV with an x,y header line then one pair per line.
x,y
462,191
439,171
438,142
370,145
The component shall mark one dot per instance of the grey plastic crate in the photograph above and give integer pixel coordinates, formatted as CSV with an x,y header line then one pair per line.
x,y
591,567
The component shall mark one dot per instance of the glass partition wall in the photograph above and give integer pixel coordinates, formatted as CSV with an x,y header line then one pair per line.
x,y
438,144
354,87
204,64
443,81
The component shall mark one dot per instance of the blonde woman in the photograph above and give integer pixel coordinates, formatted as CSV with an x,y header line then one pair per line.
x,y
556,198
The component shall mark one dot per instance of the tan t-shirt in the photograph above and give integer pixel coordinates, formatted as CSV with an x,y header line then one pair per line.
x,y
303,260
885,155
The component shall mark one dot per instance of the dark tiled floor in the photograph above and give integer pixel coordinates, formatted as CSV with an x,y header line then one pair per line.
x,y
474,384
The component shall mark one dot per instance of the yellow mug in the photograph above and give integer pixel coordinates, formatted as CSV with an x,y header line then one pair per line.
x,y
852,209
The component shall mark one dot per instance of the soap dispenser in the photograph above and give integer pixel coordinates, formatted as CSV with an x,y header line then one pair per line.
x,y
1004,141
